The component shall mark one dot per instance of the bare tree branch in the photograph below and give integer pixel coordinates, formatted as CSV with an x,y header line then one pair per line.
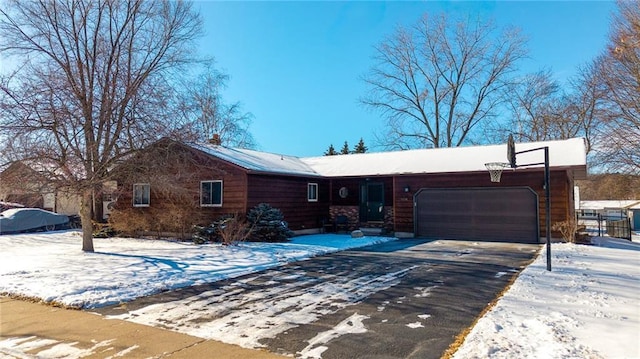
x,y
438,81
618,72
89,93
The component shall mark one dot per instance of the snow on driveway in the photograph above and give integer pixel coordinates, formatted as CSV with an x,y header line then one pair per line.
x,y
237,316
588,306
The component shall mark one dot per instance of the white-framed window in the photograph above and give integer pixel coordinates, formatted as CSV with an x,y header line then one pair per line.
x,y
312,192
141,194
211,193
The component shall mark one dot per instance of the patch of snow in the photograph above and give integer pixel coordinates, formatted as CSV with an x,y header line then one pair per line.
x,y
415,325
46,348
352,324
245,318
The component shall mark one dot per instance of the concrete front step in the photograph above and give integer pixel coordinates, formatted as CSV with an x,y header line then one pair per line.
x,y
371,231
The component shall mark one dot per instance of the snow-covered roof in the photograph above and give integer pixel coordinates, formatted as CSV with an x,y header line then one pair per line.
x,y
602,204
258,161
51,169
564,153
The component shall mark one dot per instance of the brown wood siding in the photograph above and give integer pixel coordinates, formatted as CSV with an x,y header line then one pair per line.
x,y
289,195
185,178
232,197
561,189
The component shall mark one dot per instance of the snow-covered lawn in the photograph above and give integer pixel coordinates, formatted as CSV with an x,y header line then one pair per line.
x,y
587,307
52,267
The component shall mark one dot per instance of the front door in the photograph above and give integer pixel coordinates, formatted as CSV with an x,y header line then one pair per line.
x,y
372,202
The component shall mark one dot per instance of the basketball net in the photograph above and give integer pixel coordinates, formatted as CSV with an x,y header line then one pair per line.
x,y
495,170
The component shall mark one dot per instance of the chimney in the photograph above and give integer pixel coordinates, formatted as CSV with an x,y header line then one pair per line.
x,y
215,140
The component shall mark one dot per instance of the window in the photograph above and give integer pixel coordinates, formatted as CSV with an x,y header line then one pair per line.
x,y
211,193
141,194
312,192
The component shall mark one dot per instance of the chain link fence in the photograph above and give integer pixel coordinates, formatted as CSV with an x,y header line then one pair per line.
x,y
602,225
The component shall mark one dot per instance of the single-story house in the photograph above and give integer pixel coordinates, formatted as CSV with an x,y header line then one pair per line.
x,y
29,184
437,193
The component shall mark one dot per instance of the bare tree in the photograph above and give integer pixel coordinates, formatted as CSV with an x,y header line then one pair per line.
x,y
618,71
541,109
90,89
201,105
533,103
439,80
584,107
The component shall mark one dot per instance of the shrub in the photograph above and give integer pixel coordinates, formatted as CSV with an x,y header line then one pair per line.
x,y
227,230
234,229
567,229
103,230
267,224
173,217
130,221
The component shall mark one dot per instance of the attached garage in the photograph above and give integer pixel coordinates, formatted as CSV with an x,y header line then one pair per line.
x,y
492,214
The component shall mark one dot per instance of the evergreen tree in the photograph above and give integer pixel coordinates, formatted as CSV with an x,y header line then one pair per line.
x,y
331,151
267,224
360,147
345,149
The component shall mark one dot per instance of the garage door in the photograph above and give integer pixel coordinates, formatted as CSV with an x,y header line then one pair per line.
x,y
488,214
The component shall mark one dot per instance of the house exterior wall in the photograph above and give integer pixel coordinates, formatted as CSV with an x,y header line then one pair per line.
x,y
561,192
233,192
289,195
241,192
67,203
176,187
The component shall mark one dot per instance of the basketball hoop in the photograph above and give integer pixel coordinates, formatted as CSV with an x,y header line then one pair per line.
x,y
495,170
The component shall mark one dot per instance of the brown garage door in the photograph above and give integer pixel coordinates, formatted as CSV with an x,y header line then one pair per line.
x,y
489,214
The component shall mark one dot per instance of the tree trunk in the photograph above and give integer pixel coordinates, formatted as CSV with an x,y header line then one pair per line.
x,y
85,216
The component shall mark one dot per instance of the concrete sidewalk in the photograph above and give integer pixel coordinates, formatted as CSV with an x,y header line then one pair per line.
x,y
31,330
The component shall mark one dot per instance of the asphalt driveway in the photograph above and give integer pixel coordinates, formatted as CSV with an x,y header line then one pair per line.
x,y
403,299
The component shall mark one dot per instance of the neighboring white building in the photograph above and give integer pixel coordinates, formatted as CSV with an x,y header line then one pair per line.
x,y
612,209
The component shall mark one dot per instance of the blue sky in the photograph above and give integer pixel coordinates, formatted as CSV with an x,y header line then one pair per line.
x,y
297,66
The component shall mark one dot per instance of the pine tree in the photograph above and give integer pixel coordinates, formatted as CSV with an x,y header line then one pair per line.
x,y
331,151
360,147
345,149
267,224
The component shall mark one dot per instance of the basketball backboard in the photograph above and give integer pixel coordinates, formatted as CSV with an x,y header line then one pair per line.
x,y
511,152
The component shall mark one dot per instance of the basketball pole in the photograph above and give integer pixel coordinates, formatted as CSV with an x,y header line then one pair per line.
x,y
547,194
512,154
